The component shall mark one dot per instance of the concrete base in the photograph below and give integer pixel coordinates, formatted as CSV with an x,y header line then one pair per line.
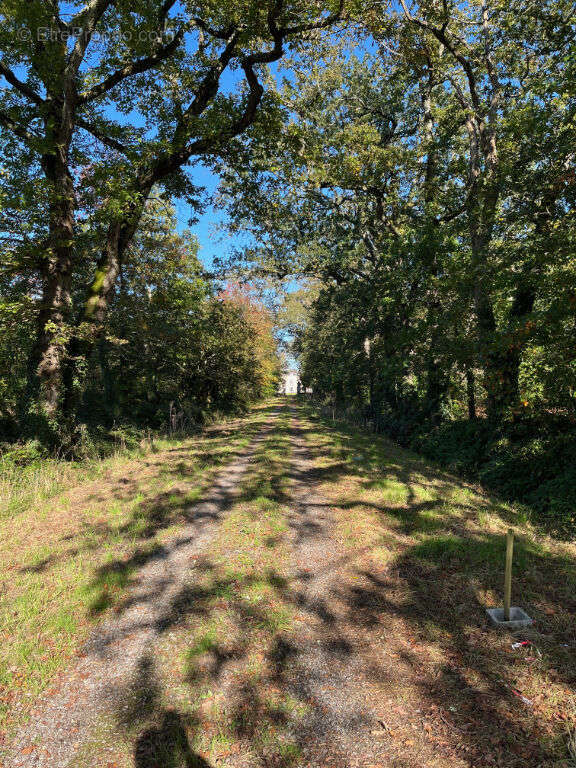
x,y
518,618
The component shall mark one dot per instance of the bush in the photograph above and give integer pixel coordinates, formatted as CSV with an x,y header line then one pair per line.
x,y
460,445
23,455
555,502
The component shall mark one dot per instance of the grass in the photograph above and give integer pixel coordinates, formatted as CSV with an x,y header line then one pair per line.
x,y
418,558
64,527
24,487
428,550
423,554
236,618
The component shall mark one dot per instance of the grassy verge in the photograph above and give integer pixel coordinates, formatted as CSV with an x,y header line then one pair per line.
x,y
429,554
529,461
70,522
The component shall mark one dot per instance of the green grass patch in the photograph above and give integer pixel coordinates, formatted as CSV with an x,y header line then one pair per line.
x,y
74,534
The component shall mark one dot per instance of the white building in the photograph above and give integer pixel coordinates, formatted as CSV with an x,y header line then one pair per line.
x,y
289,383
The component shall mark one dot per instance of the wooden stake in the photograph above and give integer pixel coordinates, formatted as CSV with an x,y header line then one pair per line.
x,y
508,573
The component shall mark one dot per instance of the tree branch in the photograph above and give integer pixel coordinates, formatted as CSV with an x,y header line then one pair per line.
x,y
16,128
181,150
82,16
101,136
327,22
25,89
209,86
440,34
94,13
218,34
464,103
134,68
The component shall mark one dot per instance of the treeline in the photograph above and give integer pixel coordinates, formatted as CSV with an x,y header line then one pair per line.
x,y
424,178
178,349
106,106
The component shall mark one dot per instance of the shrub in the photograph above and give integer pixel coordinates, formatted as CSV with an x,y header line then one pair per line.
x,y
554,502
460,445
23,455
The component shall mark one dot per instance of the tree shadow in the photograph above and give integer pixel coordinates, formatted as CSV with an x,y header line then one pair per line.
x,y
166,745
161,738
437,588
166,510
242,644
153,515
433,588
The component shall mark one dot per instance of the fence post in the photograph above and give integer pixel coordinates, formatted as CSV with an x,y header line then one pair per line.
x,y
508,573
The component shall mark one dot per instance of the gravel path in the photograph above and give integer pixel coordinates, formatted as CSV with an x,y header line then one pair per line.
x,y
335,660
323,666
118,650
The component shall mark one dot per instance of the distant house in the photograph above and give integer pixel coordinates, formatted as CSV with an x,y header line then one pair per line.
x,y
290,383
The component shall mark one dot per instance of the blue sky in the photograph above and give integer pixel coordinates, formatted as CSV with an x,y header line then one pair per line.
x,y
212,242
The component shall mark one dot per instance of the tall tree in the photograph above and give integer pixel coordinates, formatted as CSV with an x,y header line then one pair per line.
x,y
103,100
481,51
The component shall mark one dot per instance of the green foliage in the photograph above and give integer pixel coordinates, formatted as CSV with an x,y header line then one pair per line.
x,y
532,462
103,105
23,455
460,445
416,170
553,501
177,350
425,182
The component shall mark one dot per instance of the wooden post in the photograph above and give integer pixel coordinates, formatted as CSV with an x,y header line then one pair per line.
x,y
508,573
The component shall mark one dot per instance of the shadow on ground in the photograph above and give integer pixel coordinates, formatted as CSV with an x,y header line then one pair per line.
x,y
174,508
416,628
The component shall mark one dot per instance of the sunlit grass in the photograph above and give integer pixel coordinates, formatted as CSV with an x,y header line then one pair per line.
x,y
72,536
415,557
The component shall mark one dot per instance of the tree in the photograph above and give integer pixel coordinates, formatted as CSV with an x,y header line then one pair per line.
x,y
95,127
356,201
482,52
176,342
439,170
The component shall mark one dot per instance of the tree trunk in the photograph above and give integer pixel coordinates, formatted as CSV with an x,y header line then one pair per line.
x,y
500,356
471,393
46,362
108,381
436,380
436,386
92,321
